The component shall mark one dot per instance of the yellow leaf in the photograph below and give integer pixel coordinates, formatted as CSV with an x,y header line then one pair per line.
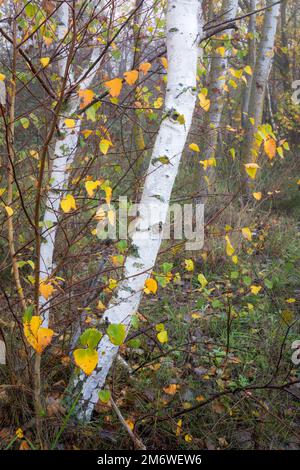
x,y
248,70
19,433
257,195
255,289
236,73
130,424
150,286
207,163
162,336
158,103
164,62
100,305
251,169
70,123
290,301
44,338
247,233
145,67
104,146
189,264
36,336
108,194
178,428
46,289
235,259
91,187
114,87
87,133
270,148
86,359
44,61
202,279
221,51
194,147
2,191
188,438
204,102
131,76
229,247
112,284
86,97
170,389
9,211
2,77
34,154
68,203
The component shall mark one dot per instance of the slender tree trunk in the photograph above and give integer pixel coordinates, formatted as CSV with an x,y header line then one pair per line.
x,y
251,58
182,36
64,154
216,83
259,82
282,57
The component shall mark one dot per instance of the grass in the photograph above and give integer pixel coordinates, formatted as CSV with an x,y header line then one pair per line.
x,y
222,339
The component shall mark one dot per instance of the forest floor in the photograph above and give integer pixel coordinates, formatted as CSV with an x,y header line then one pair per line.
x,y
220,382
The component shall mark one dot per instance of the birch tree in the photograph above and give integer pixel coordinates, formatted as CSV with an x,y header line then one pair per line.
x,y
64,153
259,81
216,84
251,58
183,33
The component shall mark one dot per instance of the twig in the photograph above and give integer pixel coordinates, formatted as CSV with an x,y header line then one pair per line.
x,y
138,444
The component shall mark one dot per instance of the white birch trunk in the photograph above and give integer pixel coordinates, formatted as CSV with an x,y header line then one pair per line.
x,y
259,81
182,40
217,81
64,153
251,58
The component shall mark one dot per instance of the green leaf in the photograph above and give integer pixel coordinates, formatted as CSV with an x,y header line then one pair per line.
x,y
167,267
28,313
25,122
116,333
247,280
90,338
30,10
134,343
269,284
104,396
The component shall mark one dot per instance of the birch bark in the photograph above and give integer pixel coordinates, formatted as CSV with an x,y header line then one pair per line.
x,y
182,37
259,81
64,153
216,83
251,58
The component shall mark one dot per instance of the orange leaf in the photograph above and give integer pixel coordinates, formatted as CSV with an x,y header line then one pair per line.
x,y
114,87
270,148
145,67
37,337
131,76
86,97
